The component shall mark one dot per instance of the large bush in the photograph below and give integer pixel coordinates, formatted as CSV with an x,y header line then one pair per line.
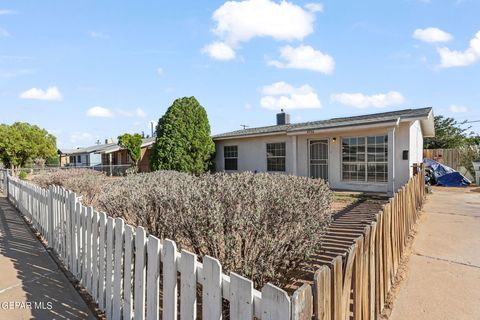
x,y
259,225
183,140
85,182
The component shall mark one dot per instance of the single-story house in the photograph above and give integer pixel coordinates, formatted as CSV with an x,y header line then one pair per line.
x,y
84,157
372,153
118,156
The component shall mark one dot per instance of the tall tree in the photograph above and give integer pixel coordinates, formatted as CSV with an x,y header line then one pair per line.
x,y
448,134
133,145
22,143
183,140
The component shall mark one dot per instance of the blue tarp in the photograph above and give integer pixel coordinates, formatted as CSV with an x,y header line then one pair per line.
x,y
446,176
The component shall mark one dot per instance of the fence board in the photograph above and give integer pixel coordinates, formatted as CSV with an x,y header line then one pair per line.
x,y
128,273
212,289
322,293
153,277
102,270
140,273
109,267
188,286
302,303
241,297
169,254
118,269
275,303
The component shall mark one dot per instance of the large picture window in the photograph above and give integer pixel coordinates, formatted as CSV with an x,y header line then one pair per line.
x,y
365,158
230,155
276,156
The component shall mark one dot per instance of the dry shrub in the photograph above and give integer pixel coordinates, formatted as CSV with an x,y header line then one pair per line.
x,y
85,182
261,226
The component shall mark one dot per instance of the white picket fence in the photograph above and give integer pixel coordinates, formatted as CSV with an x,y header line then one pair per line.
x,y
128,272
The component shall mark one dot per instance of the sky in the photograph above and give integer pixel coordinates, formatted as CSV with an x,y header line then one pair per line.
x,y
90,70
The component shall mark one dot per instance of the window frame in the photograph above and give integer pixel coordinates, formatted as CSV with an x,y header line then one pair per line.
x,y
230,157
366,162
284,157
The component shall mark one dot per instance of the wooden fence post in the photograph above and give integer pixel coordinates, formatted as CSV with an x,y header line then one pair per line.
x,y
322,293
302,303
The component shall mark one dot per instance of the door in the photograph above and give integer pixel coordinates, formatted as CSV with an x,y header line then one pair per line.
x,y
319,159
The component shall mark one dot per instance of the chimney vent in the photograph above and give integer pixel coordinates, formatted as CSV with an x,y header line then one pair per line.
x,y
283,118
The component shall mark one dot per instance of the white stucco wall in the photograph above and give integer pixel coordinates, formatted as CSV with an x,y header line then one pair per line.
x,y
252,154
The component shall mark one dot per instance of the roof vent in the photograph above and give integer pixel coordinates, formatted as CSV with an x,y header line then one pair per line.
x,y
283,118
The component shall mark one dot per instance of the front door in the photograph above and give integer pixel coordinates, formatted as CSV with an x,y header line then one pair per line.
x,y
319,159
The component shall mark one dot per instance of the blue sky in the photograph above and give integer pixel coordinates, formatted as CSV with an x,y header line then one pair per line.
x,y
88,70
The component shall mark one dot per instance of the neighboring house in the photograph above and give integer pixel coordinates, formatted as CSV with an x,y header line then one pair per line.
x,y
84,157
116,155
373,152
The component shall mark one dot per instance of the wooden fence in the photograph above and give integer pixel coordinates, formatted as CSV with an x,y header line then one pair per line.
x,y
132,275
448,157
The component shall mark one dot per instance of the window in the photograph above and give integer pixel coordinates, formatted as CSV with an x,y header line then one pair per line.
x,y
79,159
365,158
276,156
230,155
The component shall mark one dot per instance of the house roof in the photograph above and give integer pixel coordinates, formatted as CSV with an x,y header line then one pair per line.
x,y
146,142
90,149
423,114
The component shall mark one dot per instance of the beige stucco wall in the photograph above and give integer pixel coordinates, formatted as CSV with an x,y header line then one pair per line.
x,y
252,154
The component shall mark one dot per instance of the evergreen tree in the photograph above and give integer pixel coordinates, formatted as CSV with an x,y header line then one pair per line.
x,y
183,141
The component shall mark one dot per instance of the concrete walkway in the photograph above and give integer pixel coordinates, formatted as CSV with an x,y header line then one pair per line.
x,y
31,285
443,277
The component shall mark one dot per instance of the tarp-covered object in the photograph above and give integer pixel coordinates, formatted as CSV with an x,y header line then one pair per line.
x,y
446,176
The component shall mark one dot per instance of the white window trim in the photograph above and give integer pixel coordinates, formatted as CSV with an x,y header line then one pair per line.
x,y
364,182
267,157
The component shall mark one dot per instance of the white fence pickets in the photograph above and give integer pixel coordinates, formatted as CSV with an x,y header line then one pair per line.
x,y
118,269
153,277
169,256
188,286
123,268
109,267
140,273
128,273
212,289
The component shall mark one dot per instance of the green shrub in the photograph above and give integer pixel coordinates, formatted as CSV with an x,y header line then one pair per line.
x,y
22,175
261,226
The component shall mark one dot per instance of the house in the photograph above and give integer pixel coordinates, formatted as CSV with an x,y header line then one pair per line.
x,y
84,157
372,153
117,156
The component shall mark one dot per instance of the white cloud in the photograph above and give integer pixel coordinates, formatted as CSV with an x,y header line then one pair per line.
x,y
458,109
281,95
4,33
139,112
314,7
99,35
160,71
361,101
219,51
100,112
51,94
4,12
237,22
432,35
451,58
304,57
80,136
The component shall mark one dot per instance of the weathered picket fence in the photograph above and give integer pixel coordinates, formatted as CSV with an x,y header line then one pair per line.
x,y
361,256
129,273
132,275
